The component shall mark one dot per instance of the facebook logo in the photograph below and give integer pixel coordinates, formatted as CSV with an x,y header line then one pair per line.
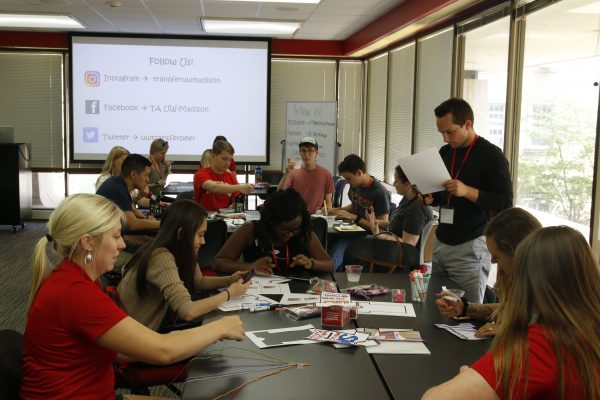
x,y
90,135
92,107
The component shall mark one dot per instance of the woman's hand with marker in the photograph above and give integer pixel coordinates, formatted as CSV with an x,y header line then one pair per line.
x,y
302,261
449,304
264,265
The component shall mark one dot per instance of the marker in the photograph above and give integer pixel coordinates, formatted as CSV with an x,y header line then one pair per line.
x,y
450,298
259,308
264,308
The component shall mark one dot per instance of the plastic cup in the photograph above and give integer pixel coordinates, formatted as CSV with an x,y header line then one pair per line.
x,y
330,220
398,295
418,290
353,272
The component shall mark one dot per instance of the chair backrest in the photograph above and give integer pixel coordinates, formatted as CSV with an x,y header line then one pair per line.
x,y
339,192
214,238
319,227
185,195
273,177
11,363
423,239
370,252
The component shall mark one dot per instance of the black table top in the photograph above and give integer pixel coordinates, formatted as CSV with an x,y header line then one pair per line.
x,y
409,376
344,373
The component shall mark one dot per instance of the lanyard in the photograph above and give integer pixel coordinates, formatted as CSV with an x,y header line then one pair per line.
x,y
287,255
156,167
358,198
463,160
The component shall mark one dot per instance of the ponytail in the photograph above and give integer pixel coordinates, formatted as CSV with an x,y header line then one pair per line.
x,y
40,268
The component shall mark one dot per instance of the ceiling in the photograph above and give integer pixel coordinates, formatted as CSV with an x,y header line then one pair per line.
x,y
328,20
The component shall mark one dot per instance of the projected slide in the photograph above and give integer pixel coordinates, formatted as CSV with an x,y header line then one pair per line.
x,y
128,91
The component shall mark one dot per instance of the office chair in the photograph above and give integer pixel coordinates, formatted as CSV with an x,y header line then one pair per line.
x,y
273,177
138,376
339,192
370,252
185,195
319,227
214,238
11,363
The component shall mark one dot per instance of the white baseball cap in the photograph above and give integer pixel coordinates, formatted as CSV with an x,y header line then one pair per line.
x,y
309,140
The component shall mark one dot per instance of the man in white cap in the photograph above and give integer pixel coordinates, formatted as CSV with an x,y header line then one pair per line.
x,y
313,182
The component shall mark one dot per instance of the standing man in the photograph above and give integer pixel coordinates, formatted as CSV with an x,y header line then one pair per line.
x,y
313,182
135,173
366,193
480,186
216,187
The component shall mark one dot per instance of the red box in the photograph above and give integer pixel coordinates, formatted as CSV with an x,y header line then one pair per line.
x,y
335,316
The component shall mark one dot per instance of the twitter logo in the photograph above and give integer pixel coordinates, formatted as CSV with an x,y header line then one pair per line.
x,y
90,135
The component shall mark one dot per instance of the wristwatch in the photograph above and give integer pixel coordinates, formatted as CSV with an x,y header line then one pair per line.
x,y
357,219
465,307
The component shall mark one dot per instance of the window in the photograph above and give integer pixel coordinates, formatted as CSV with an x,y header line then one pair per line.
x,y
48,189
485,76
559,104
376,115
434,79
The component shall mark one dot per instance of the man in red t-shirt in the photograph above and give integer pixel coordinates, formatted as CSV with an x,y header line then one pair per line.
x,y
215,187
313,182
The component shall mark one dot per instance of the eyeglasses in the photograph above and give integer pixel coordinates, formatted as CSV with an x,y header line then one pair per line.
x,y
292,232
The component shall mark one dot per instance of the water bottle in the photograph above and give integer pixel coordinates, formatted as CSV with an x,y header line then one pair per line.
x,y
153,203
157,209
239,204
258,174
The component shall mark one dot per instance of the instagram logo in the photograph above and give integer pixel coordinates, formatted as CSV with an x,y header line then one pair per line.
x,y
91,78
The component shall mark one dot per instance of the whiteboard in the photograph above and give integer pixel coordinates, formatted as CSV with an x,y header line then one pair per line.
x,y
317,119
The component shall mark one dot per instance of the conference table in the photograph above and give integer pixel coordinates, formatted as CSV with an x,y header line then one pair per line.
x,y
409,376
182,187
349,373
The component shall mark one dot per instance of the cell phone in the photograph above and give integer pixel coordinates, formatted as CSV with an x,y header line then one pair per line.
x,y
248,275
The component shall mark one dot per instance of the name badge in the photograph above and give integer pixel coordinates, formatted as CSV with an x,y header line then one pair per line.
x,y
447,215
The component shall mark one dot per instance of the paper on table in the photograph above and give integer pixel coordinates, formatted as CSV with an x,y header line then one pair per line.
x,y
282,336
426,170
236,304
465,331
263,278
299,298
349,228
399,348
383,308
268,288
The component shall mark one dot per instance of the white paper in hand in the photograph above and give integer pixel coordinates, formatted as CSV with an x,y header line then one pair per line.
x,y
426,170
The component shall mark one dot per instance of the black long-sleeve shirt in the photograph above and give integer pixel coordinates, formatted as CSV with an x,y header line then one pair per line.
x,y
485,169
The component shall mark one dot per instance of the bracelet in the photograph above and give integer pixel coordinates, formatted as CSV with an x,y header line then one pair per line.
x,y
228,294
465,307
312,263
